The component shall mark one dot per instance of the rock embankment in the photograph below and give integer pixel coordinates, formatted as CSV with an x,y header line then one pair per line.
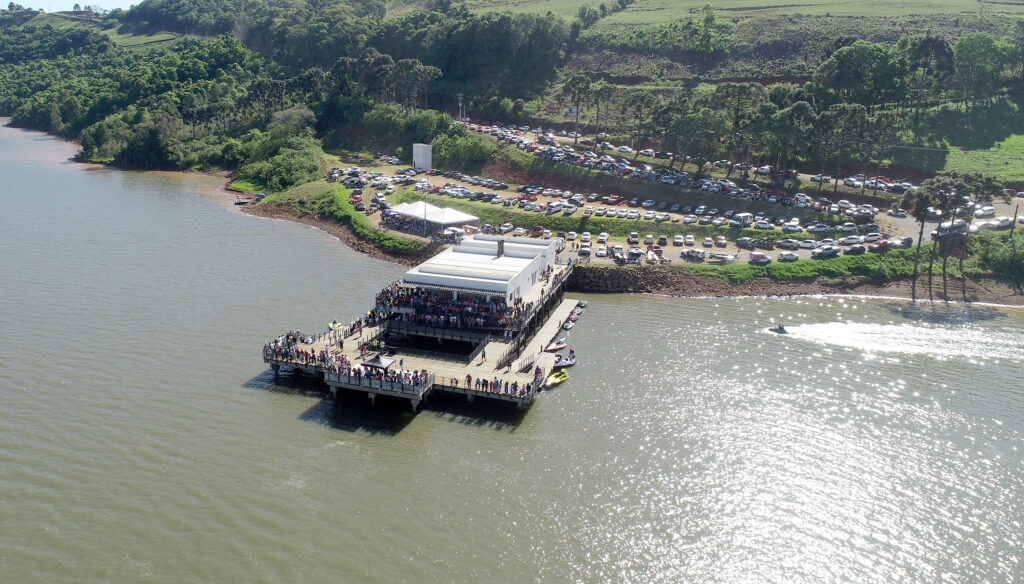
x,y
677,281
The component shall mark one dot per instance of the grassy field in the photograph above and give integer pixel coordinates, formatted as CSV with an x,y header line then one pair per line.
x,y
121,36
1005,160
645,12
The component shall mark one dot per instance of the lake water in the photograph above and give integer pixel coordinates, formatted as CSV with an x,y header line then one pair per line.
x,y
143,440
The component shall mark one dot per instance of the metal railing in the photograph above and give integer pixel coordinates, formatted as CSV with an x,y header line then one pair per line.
x,y
416,388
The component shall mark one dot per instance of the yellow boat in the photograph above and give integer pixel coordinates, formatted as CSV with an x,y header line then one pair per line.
x,y
556,377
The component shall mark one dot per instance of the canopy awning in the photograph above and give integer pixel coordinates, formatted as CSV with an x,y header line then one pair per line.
x,y
441,216
379,362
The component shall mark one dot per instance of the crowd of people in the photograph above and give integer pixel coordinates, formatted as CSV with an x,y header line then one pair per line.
x,y
495,385
466,312
405,377
407,225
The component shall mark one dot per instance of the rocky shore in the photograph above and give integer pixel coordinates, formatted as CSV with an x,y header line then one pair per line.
x,y
674,281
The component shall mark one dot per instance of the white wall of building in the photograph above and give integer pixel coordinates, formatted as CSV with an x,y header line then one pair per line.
x,y
422,156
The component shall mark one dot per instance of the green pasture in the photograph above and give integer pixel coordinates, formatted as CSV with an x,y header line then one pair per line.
x,y
645,12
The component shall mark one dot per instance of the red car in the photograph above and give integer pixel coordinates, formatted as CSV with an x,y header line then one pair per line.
x,y
879,246
355,198
537,230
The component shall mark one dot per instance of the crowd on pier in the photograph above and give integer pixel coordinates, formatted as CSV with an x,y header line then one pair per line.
x,y
464,312
495,385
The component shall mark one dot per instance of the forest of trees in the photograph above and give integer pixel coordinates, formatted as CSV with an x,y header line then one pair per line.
x,y
365,80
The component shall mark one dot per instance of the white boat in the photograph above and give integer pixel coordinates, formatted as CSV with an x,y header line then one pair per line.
x,y
555,346
563,362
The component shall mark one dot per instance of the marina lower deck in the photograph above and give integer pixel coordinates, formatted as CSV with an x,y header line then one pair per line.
x,y
503,376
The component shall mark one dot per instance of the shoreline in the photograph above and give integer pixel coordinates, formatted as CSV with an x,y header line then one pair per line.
x,y
677,284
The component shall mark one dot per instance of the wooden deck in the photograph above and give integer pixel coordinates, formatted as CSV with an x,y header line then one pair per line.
x,y
444,374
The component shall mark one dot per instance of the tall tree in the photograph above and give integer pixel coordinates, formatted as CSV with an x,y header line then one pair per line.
x,y
980,62
576,88
916,202
930,64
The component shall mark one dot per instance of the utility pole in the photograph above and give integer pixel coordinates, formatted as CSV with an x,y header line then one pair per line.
x,y
462,112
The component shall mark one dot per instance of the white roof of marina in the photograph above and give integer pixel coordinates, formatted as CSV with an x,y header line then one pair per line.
x,y
475,265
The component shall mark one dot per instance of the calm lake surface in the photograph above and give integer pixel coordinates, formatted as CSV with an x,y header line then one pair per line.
x,y
143,440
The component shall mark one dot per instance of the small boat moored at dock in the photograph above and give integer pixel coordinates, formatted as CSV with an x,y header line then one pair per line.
x,y
556,377
564,362
555,346
240,200
568,324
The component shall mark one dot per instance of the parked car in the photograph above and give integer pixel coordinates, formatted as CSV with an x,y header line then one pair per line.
x,y
822,178
788,256
677,241
760,259
828,251
855,250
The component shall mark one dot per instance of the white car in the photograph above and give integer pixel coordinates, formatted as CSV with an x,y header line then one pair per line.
x,y
570,236
601,252
625,149
649,215
602,237
792,228
677,240
519,232
585,237
546,234
788,256
506,227
846,227
611,212
850,240
852,182
809,244
763,225
623,213
896,213
822,178
871,237
649,240
690,219
708,242
633,214
599,212
647,152
689,241
588,210
986,211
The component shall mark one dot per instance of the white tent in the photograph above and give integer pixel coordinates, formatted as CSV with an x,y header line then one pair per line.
x,y
431,214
